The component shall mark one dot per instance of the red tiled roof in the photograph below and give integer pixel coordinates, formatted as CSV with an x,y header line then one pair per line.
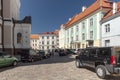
x,y
47,33
110,13
95,6
56,32
34,36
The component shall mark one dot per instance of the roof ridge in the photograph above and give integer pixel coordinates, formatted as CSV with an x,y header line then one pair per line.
x,y
92,8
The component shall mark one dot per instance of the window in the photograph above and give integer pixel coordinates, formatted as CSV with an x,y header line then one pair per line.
x,y
43,47
83,45
91,34
47,42
71,30
52,42
92,52
47,37
76,37
47,47
42,42
52,37
77,28
1,55
91,22
86,53
71,39
19,38
107,28
67,39
68,32
83,25
83,36
42,37
103,52
107,43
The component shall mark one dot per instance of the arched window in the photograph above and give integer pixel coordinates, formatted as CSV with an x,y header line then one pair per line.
x,y
19,38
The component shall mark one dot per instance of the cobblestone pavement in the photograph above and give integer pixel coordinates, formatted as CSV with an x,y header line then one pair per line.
x,y
54,68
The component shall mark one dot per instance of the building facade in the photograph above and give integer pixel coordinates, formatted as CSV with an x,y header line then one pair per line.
x,y
49,40
62,37
111,27
34,41
15,33
83,30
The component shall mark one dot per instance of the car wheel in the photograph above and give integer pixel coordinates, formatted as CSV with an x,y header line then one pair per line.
x,y
101,71
78,63
15,63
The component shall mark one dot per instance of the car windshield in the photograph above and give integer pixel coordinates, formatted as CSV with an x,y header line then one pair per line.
x,y
32,52
41,51
4,54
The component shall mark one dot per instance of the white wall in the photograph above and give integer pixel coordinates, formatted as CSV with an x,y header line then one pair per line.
x,y
114,34
35,44
62,38
50,41
25,29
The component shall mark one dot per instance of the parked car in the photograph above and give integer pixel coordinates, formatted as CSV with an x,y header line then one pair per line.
x,y
105,60
30,56
47,53
62,52
70,51
7,60
42,53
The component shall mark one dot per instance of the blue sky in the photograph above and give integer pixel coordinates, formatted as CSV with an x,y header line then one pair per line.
x,y
48,15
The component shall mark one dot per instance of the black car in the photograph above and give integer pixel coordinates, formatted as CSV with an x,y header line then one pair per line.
x,y
30,56
70,51
42,53
62,52
105,60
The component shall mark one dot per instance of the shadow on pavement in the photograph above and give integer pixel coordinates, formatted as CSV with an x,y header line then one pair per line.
x,y
51,60
6,68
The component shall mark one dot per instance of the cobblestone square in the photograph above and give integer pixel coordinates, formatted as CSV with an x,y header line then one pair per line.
x,y
54,68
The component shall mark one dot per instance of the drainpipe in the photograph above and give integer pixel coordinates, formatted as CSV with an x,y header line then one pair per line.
x,y
13,36
2,26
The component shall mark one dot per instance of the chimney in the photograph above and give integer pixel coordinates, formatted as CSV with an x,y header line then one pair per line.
x,y
83,8
69,19
114,7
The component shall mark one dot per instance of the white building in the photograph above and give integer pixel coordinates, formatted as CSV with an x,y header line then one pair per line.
x,y
111,27
14,33
48,40
62,37
34,41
